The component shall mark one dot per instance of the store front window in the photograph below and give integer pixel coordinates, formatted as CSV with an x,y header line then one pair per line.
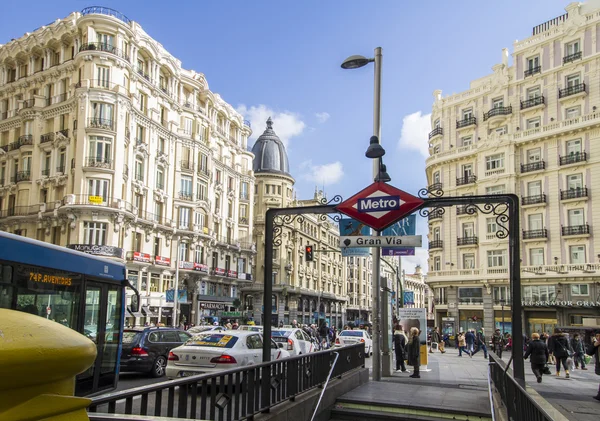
x,y
471,319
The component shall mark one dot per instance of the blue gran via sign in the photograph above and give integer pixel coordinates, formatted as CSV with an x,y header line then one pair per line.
x,y
406,226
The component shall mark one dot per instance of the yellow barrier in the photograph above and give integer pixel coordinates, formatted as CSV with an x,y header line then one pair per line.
x,y
39,360
424,355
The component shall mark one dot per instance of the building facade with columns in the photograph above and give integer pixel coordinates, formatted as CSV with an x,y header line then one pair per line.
x,y
533,129
109,146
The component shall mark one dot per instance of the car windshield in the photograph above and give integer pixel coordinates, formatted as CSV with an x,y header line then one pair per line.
x,y
214,340
130,336
281,333
354,333
199,329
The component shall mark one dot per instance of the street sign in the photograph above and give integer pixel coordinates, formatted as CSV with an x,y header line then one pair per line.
x,y
351,227
397,251
379,205
369,241
406,226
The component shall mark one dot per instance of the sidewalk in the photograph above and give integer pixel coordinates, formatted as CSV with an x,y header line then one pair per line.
x,y
572,397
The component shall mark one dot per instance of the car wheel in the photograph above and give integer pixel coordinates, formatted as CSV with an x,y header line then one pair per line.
x,y
159,366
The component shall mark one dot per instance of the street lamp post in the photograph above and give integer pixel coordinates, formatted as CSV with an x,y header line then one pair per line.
x,y
502,301
374,151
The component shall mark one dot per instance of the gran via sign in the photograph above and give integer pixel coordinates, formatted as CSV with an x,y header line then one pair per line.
x,y
561,303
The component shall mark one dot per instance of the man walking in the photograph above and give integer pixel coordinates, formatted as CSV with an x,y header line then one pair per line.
x,y
578,351
539,355
470,340
480,341
498,343
437,339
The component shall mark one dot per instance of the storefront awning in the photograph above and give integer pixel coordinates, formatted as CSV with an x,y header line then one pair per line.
x,y
149,312
136,314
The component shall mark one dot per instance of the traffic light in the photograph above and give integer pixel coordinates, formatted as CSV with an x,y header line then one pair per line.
x,y
308,252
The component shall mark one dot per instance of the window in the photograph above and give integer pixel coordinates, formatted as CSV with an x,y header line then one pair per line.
x,y
575,217
139,169
574,147
502,293
536,257
437,233
467,170
493,162
94,233
437,263
534,188
102,112
533,62
492,225
218,176
496,258
161,144
99,188
160,178
534,92
101,149
572,112
106,40
468,113
184,218
498,103
188,126
533,123
466,141
468,260
437,123
199,255
572,48
501,130
203,162
580,289
201,191
184,251
534,155
574,181
468,229
26,162
573,80
577,254
186,185
143,102
495,189
103,76
200,219
244,190
539,293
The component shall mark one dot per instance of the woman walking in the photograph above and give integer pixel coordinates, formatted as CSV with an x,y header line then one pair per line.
x,y
414,352
560,347
538,351
462,344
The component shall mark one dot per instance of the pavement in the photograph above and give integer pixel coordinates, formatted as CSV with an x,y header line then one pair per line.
x,y
572,397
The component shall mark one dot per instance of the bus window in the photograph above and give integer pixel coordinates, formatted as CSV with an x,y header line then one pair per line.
x,y
92,313
110,352
6,289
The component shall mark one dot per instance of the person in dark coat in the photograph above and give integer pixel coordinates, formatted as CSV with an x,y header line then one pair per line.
x,y
400,348
595,347
578,351
539,353
414,352
470,340
560,347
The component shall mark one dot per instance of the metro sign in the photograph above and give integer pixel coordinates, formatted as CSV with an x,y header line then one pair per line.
x,y
379,205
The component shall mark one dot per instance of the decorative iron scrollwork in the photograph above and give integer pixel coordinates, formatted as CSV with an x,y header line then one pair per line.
x,y
500,210
435,190
336,217
337,199
430,212
279,222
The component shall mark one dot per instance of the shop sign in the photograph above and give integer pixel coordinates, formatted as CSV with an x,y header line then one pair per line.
x,y
96,200
231,314
186,265
106,251
212,306
167,311
220,271
560,303
232,274
447,319
141,257
162,261
200,267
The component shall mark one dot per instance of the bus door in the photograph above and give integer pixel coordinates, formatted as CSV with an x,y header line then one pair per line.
x,y
102,314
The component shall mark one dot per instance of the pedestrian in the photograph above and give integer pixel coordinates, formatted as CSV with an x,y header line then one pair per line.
x,y
594,350
498,343
437,339
480,342
578,351
538,351
400,347
560,347
414,352
470,341
461,343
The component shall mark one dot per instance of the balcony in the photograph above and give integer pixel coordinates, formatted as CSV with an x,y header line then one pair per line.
x,y
160,186
60,169
63,132
435,186
28,104
533,102
243,221
533,166
497,111
576,230
138,177
466,210
533,200
186,195
100,10
436,244
571,90
23,176
574,193
100,123
186,165
57,99
104,47
244,195
532,71
535,234
48,137
203,171
26,139
46,172
467,179
572,57
142,73
467,241
98,162
438,131
466,122
436,214
573,158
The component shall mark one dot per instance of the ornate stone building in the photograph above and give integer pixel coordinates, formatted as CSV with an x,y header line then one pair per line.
x,y
303,291
109,146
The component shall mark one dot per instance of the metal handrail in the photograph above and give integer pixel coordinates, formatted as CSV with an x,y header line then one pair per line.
x,y
491,395
337,355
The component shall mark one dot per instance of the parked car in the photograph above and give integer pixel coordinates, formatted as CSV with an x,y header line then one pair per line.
x,y
146,350
351,337
200,329
217,351
296,341
251,328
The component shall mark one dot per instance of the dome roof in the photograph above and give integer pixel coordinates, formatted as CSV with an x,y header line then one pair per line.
x,y
269,153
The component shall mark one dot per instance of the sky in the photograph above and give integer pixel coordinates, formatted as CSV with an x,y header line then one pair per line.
x,y
282,59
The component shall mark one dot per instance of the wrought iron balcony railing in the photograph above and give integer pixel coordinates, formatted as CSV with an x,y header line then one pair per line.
x,y
98,162
436,244
532,102
435,132
576,230
533,166
533,200
467,241
532,71
573,158
435,186
466,122
467,179
571,90
186,195
101,123
533,234
104,47
436,214
497,111
574,193
572,57
23,176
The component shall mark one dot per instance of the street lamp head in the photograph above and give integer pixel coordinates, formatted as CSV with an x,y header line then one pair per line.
x,y
354,62
383,176
375,150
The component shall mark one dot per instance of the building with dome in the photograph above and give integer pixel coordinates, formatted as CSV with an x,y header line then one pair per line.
x,y
308,292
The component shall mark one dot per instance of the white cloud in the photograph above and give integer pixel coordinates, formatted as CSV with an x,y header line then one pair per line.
x,y
322,175
322,117
286,124
409,263
415,131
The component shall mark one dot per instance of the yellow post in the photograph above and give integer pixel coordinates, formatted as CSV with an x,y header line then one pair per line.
x,y
39,360
424,355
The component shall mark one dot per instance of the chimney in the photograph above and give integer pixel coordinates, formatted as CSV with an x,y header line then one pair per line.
x,y
505,56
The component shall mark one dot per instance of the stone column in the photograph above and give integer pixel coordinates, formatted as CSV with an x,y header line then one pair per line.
x,y
488,312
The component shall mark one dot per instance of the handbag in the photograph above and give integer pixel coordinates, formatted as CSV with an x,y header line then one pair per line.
x,y
546,369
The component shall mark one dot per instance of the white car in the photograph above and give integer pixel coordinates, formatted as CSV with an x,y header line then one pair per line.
x,y
351,337
211,352
296,341
201,329
251,328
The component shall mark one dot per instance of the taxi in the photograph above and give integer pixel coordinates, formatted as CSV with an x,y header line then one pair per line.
x,y
212,352
352,337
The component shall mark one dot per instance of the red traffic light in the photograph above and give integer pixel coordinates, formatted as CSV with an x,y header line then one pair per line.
x,y
308,252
